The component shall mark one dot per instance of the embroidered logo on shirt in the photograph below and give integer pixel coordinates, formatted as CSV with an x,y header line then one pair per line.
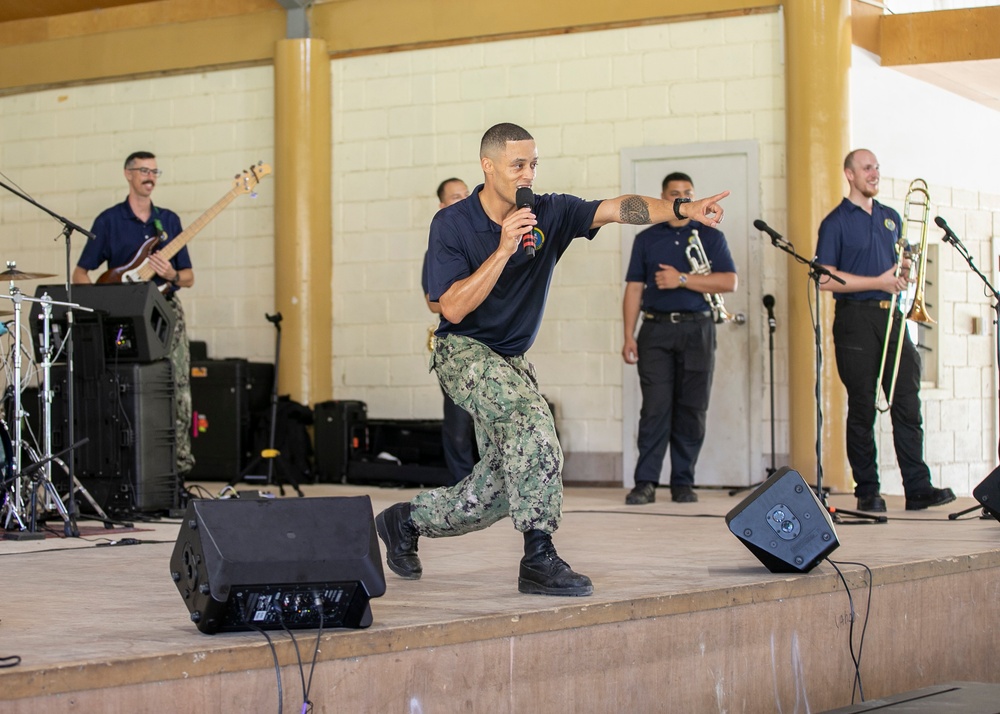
x,y
890,224
539,237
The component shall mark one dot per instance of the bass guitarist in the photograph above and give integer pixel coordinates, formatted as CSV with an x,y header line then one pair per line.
x,y
120,234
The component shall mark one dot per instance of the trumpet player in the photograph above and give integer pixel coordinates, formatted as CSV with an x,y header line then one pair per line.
x,y
675,347
858,243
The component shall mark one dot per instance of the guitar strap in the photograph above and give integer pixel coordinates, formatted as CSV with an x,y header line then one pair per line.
x,y
158,225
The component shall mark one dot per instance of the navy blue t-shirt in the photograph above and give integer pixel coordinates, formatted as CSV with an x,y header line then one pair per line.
x,y
666,244
463,237
119,234
855,242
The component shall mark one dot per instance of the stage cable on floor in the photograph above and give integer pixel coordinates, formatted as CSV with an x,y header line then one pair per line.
x,y
856,686
12,661
274,657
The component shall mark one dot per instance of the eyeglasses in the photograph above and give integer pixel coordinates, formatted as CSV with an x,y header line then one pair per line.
x,y
147,171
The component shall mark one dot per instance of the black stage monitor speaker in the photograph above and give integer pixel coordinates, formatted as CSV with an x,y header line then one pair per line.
x,y
784,524
988,493
277,563
137,322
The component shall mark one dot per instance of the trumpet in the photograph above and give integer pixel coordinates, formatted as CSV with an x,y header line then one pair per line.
x,y
916,209
700,265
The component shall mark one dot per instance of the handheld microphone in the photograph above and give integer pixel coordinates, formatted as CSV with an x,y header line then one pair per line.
x,y
526,199
949,235
769,304
761,226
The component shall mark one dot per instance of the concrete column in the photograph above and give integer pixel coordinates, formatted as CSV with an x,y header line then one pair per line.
x,y
303,254
817,60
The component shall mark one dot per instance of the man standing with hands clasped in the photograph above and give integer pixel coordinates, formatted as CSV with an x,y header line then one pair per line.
x,y
675,349
492,294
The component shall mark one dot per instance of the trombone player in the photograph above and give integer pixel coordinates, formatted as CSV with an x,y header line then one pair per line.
x,y
858,243
675,278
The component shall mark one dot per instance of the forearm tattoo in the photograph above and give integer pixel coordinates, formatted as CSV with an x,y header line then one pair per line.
x,y
634,210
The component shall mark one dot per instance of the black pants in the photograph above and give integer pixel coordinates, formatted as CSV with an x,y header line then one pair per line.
x,y
858,335
675,375
458,438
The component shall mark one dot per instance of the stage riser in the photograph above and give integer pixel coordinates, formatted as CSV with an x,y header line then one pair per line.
x,y
783,644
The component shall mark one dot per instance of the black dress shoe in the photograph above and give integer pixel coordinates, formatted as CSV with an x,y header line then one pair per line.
x,y
643,493
543,572
926,499
872,504
683,494
395,527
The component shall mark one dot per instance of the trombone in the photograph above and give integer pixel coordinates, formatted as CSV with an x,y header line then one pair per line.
x,y
916,211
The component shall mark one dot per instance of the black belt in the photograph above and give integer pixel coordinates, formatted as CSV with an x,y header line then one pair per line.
x,y
675,317
870,304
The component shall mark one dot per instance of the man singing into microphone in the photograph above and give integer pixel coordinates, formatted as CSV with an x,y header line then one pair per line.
x,y
492,296
857,243
675,349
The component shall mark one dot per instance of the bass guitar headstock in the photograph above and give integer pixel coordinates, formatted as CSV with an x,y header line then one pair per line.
x,y
246,182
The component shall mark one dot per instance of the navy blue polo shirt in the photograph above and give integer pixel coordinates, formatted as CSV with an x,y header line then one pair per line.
x,y
666,244
119,234
855,242
462,238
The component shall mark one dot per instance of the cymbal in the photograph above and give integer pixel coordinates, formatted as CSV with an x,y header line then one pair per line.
x,y
15,274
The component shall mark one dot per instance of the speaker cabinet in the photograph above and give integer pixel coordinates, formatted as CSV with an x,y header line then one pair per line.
x,y
339,428
988,493
136,321
128,463
277,563
784,524
220,403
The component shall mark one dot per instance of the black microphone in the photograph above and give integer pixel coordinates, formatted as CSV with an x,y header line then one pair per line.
x,y
761,226
526,199
769,304
949,235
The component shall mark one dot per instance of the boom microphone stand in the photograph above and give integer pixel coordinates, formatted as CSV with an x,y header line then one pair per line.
x,y
816,271
950,237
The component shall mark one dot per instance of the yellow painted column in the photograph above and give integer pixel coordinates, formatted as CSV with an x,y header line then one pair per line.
x,y
817,60
303,235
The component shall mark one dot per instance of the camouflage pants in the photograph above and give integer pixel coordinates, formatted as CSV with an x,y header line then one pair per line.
x,y
520,472
180,358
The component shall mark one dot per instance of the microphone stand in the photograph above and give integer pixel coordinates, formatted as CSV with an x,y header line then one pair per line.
x,y
67,232
950,237
816,271
770,362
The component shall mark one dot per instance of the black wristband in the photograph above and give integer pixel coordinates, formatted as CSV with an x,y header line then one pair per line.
x,y
677,208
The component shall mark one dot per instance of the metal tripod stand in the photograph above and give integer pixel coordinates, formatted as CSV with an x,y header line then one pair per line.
x,y
272,455
25,510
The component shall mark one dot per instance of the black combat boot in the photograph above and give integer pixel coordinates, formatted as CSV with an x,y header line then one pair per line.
x,y
397,531
543,572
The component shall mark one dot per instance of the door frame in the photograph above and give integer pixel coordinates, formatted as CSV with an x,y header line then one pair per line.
x,y
750,277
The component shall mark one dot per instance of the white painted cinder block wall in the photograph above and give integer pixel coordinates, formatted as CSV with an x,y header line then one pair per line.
x,y
404,121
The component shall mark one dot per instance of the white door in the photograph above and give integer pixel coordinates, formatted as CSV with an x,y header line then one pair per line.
x,y
732,454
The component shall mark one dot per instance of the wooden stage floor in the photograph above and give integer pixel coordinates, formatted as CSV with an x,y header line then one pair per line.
x,y
106,624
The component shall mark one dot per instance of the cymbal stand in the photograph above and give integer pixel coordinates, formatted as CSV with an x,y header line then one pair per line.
x,y
28,513
47,395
